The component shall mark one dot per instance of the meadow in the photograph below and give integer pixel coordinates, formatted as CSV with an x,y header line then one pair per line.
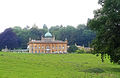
x,y
26,65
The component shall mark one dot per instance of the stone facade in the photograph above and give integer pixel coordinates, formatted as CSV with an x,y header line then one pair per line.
x,y
47,44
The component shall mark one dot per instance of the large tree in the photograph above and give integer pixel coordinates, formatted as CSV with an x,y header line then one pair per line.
x,y
8,38
26,33
106,23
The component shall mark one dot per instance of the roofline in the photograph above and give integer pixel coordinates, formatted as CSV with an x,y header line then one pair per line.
x,y
48,42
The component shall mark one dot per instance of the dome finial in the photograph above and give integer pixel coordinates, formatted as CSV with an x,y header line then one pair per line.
x,y
48,30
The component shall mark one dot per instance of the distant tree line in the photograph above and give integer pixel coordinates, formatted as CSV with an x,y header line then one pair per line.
x,y
18,37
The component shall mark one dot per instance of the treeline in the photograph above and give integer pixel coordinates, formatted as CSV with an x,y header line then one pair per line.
x,y
18,37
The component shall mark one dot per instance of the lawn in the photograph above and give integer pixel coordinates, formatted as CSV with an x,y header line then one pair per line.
x,y
25,65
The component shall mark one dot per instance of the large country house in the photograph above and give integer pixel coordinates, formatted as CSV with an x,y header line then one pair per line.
x,y
47,44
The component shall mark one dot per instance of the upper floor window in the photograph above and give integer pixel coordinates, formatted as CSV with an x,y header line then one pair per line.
x,y
32,46
39,46
35,46
56,47
63,47
42,47
59,47
53,46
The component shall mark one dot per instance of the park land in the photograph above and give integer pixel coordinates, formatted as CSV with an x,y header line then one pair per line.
x,y
29,65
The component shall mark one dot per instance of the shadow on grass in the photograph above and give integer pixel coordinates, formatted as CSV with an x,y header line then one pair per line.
x,y
113,69
100,70
94,70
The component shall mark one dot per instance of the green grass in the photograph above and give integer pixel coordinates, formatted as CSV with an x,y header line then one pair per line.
x,y
25,65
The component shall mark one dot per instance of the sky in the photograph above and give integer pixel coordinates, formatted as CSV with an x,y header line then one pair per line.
x,y
50,12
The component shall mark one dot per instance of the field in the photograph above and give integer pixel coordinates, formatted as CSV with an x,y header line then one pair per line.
x,y
25,65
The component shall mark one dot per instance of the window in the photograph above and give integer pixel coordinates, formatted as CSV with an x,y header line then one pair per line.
x,y
53,46
35,51
35,46
39,51
47,47
59,47
32,46
39,46
42,47
63,47
56,46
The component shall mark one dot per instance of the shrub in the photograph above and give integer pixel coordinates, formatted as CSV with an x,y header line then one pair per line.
x,y
79,51
72,49
118,61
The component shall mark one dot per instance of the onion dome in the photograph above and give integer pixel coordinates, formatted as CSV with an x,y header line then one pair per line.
x,y
48,34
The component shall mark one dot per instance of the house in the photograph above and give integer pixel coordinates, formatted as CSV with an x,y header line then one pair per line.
x,y
47,44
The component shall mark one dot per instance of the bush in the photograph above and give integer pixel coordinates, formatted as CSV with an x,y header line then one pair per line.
x,y
79,51
118,61
72,49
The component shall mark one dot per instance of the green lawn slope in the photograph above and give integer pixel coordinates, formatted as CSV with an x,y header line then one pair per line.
x,y
26,65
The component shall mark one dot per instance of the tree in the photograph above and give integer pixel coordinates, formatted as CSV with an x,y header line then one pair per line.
x,y
72,48
67,32
84,35
8,38
26,33
81,35
45,27
106,23
81,26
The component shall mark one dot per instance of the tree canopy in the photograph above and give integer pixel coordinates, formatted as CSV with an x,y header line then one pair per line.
x,y
72,49
81,35
106,24
8,39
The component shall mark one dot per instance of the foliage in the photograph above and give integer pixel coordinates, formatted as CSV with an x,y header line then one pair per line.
x,y
118,61
106,23
79,51
81,35
72,48
28,33
27,65
45,27
8,39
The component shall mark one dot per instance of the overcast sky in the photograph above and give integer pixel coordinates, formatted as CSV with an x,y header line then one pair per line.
x,y
49,12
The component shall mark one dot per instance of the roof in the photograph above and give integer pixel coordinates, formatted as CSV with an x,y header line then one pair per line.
x,y
40,41
48,34
47,39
